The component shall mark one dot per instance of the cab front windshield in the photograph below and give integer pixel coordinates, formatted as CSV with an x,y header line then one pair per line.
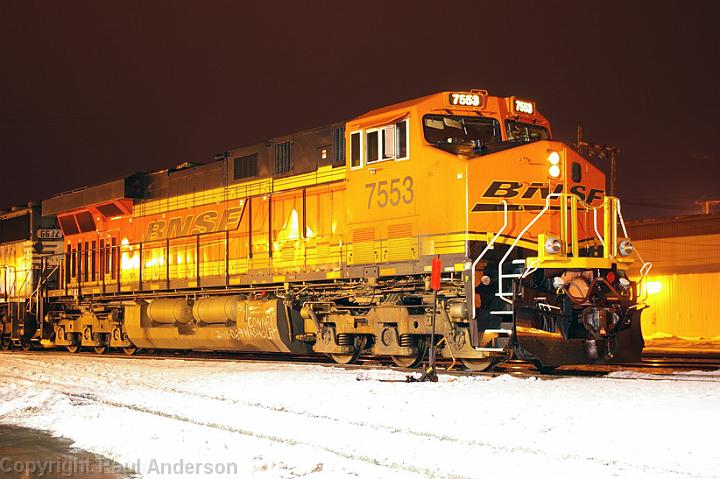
x,y
461,135
525,132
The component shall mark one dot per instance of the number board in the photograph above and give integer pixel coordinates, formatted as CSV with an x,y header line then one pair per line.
x,y
43,233
465,99
522,107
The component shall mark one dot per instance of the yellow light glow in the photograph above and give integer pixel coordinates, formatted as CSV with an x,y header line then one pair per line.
x,y
553,158
292,225
654,287
554,171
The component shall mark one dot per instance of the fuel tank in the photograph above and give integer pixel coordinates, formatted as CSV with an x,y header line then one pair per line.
x,y
170,311
219,323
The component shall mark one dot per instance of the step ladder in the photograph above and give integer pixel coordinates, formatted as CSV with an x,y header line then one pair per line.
x,y
36,297
505,331
501,340
505,289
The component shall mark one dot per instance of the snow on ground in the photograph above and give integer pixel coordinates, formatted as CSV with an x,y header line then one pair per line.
x,y
275,420
664,342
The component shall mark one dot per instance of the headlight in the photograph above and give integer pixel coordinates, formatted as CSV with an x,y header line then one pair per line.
x,y
625,248
553,245
553,158
554,171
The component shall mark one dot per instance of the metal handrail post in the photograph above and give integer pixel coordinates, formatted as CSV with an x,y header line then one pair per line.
x,y
482,253
501,295
574,226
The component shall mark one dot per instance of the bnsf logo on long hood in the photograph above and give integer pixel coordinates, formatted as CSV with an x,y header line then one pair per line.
x,y
205,222
518,189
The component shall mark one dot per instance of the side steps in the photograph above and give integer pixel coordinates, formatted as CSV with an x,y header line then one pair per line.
x,y
500,340
501,335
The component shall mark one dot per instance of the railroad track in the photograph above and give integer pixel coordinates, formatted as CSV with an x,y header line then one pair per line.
x,y
658,365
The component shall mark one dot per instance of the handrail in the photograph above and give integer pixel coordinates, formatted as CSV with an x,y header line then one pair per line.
x,y
594,209
646,265
131,274
27,275
620,217
42,281
501,295
597,233
482,253
615,206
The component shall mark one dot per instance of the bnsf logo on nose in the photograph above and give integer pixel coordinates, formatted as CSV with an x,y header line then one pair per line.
x,y
513,189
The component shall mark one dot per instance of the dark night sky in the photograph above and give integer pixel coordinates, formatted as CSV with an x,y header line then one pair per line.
x,y
93,90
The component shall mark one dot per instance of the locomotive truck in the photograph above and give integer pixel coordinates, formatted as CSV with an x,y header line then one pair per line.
x,y
323,242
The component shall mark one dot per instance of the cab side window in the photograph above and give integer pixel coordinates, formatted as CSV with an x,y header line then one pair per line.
x,y
372,146
394,141
389,142
401,135
355,150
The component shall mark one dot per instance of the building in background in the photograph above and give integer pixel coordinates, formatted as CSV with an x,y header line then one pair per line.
x,y
683,286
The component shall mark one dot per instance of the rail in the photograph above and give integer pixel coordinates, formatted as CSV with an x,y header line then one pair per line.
x,y
13,290
500,294
203,259
35,296
646,265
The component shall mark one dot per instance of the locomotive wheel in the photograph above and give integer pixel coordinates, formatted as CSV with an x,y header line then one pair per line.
x,y
411,361
75,348
130,350
5,344
482,364
346,358
100,349
360,343
25,345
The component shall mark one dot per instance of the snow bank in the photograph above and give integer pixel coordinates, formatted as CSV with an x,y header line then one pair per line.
x,y
664,342
274,420
662,335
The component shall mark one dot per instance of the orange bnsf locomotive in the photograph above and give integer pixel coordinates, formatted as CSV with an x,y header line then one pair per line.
x,y
323,242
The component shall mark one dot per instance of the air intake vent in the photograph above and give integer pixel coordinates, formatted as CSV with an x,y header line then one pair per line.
x,y
283,163
403,230
364,234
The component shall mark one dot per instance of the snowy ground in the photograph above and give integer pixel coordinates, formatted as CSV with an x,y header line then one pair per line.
x,y
276,420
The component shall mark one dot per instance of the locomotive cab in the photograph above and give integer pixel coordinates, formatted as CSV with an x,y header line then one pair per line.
x,y
480,183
